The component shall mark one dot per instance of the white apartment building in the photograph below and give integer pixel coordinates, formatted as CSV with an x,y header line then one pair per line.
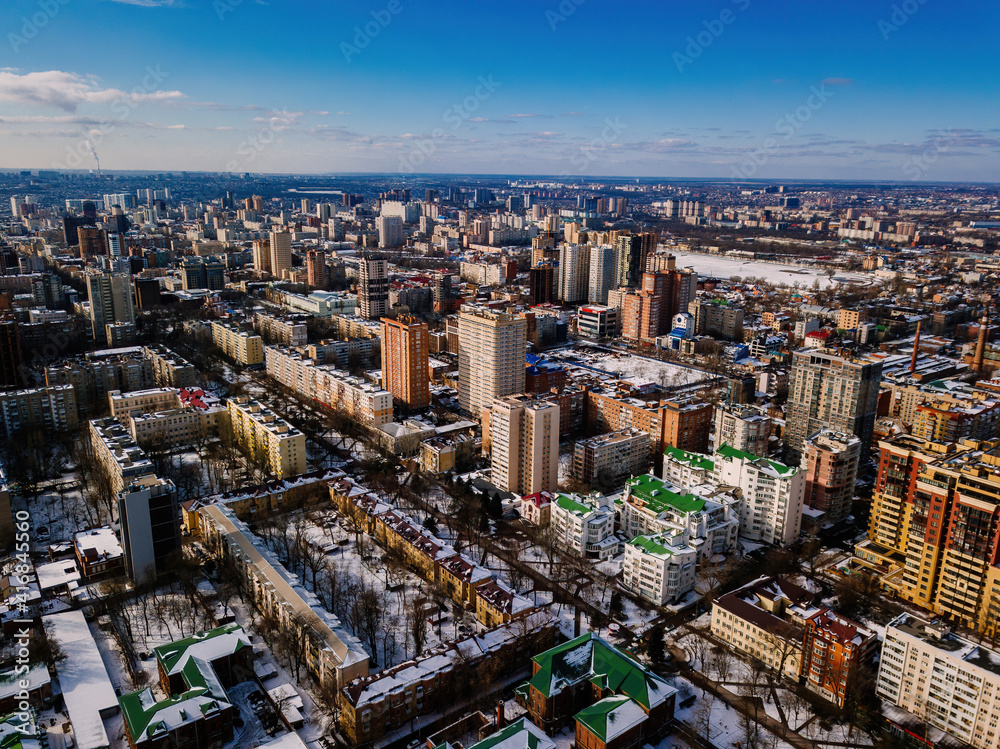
x,y
491,351
574,273
602,279
583,527
660,568
390,231
330,386
524,437
483,274
742,427
651,507
773,494
939,677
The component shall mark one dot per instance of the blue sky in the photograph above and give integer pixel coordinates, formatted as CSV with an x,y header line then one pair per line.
x,y
728,88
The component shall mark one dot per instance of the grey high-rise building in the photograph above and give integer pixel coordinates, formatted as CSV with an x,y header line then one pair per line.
x,y
373,287
602,273
111,301
830,391
150,526
574,273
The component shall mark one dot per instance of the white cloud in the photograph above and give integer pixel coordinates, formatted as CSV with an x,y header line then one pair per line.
x,y
67,91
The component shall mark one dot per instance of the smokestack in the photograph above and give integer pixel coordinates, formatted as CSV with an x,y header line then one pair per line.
x,y
499,714
916,348
977,362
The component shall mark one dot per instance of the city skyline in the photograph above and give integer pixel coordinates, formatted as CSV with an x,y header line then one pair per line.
x,y
734,90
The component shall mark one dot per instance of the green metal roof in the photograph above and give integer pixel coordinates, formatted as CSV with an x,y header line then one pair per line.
x,y
571,505
597,716
651,545
658,498
727,451
692,459
140,714
170,655
590,658
530,738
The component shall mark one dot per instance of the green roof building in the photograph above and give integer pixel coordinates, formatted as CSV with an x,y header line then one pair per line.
x,y
575,678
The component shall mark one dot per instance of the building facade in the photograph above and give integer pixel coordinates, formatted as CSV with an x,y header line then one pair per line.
x,y
405,355
491,357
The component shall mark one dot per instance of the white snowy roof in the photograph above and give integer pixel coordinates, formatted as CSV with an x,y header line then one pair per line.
x,y
83,679
54,574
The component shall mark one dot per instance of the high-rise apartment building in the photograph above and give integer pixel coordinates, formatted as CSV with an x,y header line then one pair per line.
x,y
716,318
281,252
830,391
491,357
317,275
373,287
935,519
942,679
262,255
405,343
772,494
574,273
746,429
830,465
11,364
524,453
390,231
602,273
541,283
111,301
644,312
150,526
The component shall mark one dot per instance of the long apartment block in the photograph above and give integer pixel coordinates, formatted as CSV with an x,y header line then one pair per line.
x,y
267,438
242,346
334,388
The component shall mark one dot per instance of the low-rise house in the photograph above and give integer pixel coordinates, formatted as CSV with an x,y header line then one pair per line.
x,y
571,680
98,552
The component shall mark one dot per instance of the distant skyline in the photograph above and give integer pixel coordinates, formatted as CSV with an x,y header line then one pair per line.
x,y
893,91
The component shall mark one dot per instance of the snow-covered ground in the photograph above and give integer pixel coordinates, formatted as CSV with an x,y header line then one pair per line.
x,y
637,369
727,267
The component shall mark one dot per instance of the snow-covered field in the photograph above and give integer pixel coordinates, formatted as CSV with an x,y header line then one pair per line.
x,y
726,267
